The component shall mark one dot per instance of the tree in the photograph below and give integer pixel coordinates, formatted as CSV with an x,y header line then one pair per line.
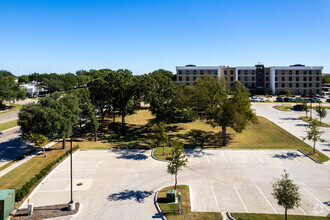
x,y
6,73
10,90
94,125
287,93
69,81
321,111
23,79
38,140
52,82
234,112
325,79
160,137
313,133
177,161
99,94
305,107
286,193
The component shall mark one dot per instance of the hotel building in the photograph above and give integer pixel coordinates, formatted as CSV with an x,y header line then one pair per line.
x,y
298,79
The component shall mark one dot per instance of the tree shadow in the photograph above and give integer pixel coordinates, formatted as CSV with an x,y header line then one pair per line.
x,y
302,125
14,148
288,155
327,203
137,195
174,128
291,118
130,154
197,153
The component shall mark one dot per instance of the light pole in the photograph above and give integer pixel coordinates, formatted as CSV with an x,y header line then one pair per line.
x,y
71,205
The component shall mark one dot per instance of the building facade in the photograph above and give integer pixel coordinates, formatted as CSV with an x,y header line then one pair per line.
x,y
298,79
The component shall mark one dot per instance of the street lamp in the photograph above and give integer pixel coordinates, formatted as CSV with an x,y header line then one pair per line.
x,y
71,204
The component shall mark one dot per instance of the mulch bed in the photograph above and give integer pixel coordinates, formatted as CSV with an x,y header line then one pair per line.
x,y
44,212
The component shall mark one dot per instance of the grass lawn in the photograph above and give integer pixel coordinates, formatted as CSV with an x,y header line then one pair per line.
x,y
171,210
8,124
23,173
12,107
283,108
158,152
198,134
254,216
307,119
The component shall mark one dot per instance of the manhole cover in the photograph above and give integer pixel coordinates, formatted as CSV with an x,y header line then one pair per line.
x,y
79,184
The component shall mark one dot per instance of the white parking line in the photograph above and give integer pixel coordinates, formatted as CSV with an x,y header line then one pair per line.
x,y
295,159
240,199
207,157
224,156
303,211
216,202
239,153
317,199
261,161
266,199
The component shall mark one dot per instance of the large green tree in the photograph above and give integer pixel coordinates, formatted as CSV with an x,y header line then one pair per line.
x,y
99,94
23,79
52,82
321,112
286,193
10,90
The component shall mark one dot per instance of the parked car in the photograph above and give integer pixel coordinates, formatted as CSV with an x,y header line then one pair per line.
x,y
324,96
299,99
318,100
312,95
292,100
328,100
307,100
254,99
298,107
261,99
279,99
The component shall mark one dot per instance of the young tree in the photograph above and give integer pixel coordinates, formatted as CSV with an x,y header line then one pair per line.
x,y
95,125
321,111
313,133
287,93
177,161
305,107
38,140
160,136
286,193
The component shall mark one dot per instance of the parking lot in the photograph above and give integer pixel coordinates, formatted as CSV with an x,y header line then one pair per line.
x,y
122,183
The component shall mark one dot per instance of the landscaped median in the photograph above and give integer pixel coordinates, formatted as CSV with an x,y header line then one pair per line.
x,y
254,216
170,210
307,119
8,124
283,107
28,175
12,107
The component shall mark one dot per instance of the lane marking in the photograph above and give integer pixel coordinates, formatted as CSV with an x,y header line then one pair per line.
x,y
224,156
240,198
207,157
239,153
302,211
261,161
266,199
216,202
295,159
317,199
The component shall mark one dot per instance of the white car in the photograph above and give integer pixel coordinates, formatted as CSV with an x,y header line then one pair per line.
x,y
261,99
254,99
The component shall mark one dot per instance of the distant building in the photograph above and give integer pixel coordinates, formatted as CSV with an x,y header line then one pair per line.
x,y
298,79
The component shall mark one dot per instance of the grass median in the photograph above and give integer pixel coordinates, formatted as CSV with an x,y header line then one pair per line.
x,y
283,108
8,124
254,216
307,119
12,107
170,210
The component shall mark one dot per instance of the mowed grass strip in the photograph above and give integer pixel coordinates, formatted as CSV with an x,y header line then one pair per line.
x,y
283,108
254,216
158,152
23,173
307,119
12,107
8,124
171,210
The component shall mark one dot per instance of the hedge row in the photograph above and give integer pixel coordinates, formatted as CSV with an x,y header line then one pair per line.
x,y
22,192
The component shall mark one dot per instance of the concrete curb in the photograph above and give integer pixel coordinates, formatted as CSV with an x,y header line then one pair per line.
x,y
309,157
67,216
229,216
155,158
157,206
42,182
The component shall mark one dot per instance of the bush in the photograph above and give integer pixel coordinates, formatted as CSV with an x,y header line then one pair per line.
x,y
22,192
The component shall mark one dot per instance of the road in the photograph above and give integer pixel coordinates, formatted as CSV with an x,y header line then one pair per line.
x,y
13,115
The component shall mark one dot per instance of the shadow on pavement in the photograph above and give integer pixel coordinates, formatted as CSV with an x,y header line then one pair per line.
x,y
288,155
302,125
130,154
294,119
138,195
13,148
197,153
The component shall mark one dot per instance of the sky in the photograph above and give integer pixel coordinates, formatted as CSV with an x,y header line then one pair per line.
x,y
144,35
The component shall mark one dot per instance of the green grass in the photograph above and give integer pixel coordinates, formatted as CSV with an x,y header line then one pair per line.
x,y
12,107
158,152
198,134
254,216
8,124
171,210
307,119
283,108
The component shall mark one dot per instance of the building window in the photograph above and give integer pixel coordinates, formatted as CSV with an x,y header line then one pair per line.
x,y
252,78
231,72
266,78
267,72
283,78
246,85
317,84
290,78
310,85
283,85
187,72
239,72
252,72
245,78
305,72
297,78
317,72
267,84
180,78
297,85
231,78
305,85
305,91
283,72
187,78
245,72
187,84
194,78
239,78
202,72
180,72
305,78
252,84
318,91
310,72
297,72
225,78
275,72
290,85
275,84
215,72
317,78
225,72
310,78
209,72
290,72
194,72
275,78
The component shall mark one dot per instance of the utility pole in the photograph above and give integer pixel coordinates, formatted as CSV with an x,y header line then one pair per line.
x,y
71,205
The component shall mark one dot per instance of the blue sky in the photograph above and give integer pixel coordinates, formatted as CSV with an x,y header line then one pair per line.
x,y
143,35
